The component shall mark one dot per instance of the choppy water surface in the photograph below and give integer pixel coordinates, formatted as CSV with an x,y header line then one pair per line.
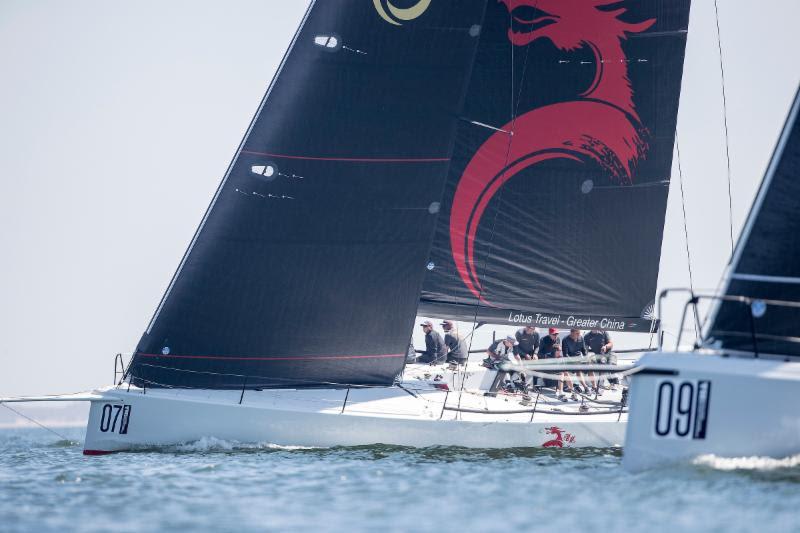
x,y
48,485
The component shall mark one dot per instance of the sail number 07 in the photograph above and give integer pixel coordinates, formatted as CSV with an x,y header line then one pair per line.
x,y
115,418
682,409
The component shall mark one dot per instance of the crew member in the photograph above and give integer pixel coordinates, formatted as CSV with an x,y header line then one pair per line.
x,y
456,348
564,377
574,346
527,342
501,351
599,342
547,343
547,350
435,350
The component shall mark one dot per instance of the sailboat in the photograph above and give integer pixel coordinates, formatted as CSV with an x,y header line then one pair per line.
x,y
685,404
495,162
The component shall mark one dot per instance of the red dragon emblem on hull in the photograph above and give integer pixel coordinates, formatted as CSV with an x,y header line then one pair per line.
x,y
560,438
601,125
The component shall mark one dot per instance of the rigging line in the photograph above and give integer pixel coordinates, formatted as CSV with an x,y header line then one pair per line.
x,y
686,232
515,100
725,122
653,330
54,432
272,378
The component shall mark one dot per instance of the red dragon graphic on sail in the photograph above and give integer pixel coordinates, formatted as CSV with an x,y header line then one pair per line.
x,y
601,125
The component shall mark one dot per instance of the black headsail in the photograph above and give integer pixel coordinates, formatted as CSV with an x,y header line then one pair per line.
x,y
307,267
766,263
554,207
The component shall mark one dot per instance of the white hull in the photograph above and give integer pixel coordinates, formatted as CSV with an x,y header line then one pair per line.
x,y
726,406
391,415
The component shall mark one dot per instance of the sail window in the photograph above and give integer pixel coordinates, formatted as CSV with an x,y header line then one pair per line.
x,y
434,208
758,308
430,265
267,171
587,186
165,350
330,43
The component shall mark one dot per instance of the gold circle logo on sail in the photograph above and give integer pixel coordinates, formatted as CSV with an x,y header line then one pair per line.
x,y
395,15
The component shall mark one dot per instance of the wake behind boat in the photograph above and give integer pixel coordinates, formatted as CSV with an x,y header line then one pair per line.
x,y
490,162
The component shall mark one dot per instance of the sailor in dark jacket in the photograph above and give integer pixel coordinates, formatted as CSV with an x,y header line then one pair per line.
x,y
599,342
574,346
547,350
527,342
547,343
435,350
456,348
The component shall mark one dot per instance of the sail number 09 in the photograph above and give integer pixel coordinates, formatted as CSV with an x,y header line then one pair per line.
x,y
682,409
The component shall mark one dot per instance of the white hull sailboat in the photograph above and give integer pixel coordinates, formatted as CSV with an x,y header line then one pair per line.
x,y
433,406
735,395
414,413
477,161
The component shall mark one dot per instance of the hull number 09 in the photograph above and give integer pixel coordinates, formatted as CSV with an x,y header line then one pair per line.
x,y
682,409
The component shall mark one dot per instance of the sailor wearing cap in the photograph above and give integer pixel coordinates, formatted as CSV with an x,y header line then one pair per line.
x,y
503,350
456,349
546,345
435,350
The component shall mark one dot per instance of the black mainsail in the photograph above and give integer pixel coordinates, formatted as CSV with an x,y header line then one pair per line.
x,y
766,262
307,266
555,201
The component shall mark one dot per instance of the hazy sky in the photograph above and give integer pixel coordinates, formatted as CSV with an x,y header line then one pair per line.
x,y
118,119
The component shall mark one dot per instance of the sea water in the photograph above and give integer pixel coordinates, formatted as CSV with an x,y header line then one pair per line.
x,y
46,484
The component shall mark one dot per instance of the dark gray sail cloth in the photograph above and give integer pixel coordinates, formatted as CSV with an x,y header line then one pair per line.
x,y
307,268
766,262
554,206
